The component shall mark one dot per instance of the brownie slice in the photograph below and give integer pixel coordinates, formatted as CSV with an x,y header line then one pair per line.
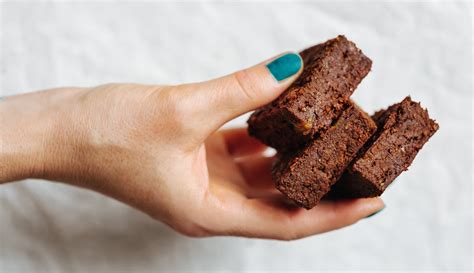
x,y
332,71
402,131
307,175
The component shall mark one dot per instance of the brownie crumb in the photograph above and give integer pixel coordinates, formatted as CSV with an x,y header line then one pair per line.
x,y
332,71
402,131
306,176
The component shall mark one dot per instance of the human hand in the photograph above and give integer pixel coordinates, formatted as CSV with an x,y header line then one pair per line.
x,y
157,149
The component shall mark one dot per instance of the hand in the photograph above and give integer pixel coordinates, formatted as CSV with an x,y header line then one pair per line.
x,y
156,148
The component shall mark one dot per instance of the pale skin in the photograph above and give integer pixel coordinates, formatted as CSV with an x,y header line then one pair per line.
x,y
160,150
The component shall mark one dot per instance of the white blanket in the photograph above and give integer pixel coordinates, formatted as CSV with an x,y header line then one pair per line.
x,y
420,49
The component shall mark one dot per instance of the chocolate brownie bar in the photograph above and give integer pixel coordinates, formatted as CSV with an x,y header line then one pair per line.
x,y
332,71
307,175
402,131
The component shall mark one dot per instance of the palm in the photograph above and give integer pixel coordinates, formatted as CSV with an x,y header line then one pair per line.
x,y
238,183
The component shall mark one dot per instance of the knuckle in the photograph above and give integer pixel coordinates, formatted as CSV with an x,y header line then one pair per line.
x,y
176,107
245,86
174,102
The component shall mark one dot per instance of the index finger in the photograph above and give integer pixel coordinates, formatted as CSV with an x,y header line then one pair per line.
x,y
275,219
239,143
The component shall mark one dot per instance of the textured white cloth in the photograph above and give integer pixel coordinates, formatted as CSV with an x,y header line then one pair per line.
x,y
421,49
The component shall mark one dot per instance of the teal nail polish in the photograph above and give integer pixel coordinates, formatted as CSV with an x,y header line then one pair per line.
x,y
285,66
370,215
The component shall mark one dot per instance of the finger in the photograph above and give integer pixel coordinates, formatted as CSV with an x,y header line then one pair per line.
x,y
239,143
274,219
225,98
256,171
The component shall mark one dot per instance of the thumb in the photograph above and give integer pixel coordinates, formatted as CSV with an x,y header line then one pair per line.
x,y
225,98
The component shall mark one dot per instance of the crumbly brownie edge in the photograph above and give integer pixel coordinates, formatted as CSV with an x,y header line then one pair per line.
x,y
306,176
309,113
366,177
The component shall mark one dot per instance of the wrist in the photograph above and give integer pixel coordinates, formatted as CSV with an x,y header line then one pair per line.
x,y
33,133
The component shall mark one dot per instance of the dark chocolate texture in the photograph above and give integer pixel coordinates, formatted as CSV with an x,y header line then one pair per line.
x,y
402,131
307,175
332,71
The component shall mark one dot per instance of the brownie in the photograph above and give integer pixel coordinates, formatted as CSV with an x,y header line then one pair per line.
x,y
402,131
332,71
306,176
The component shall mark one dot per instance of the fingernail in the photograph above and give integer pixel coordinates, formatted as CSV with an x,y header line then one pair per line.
x,y
370,215
285,66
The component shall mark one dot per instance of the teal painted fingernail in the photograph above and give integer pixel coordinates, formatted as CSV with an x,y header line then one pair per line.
x,y
285,66
370,215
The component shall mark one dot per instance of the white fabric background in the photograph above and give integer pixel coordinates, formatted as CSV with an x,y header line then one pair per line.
x,y
422,49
